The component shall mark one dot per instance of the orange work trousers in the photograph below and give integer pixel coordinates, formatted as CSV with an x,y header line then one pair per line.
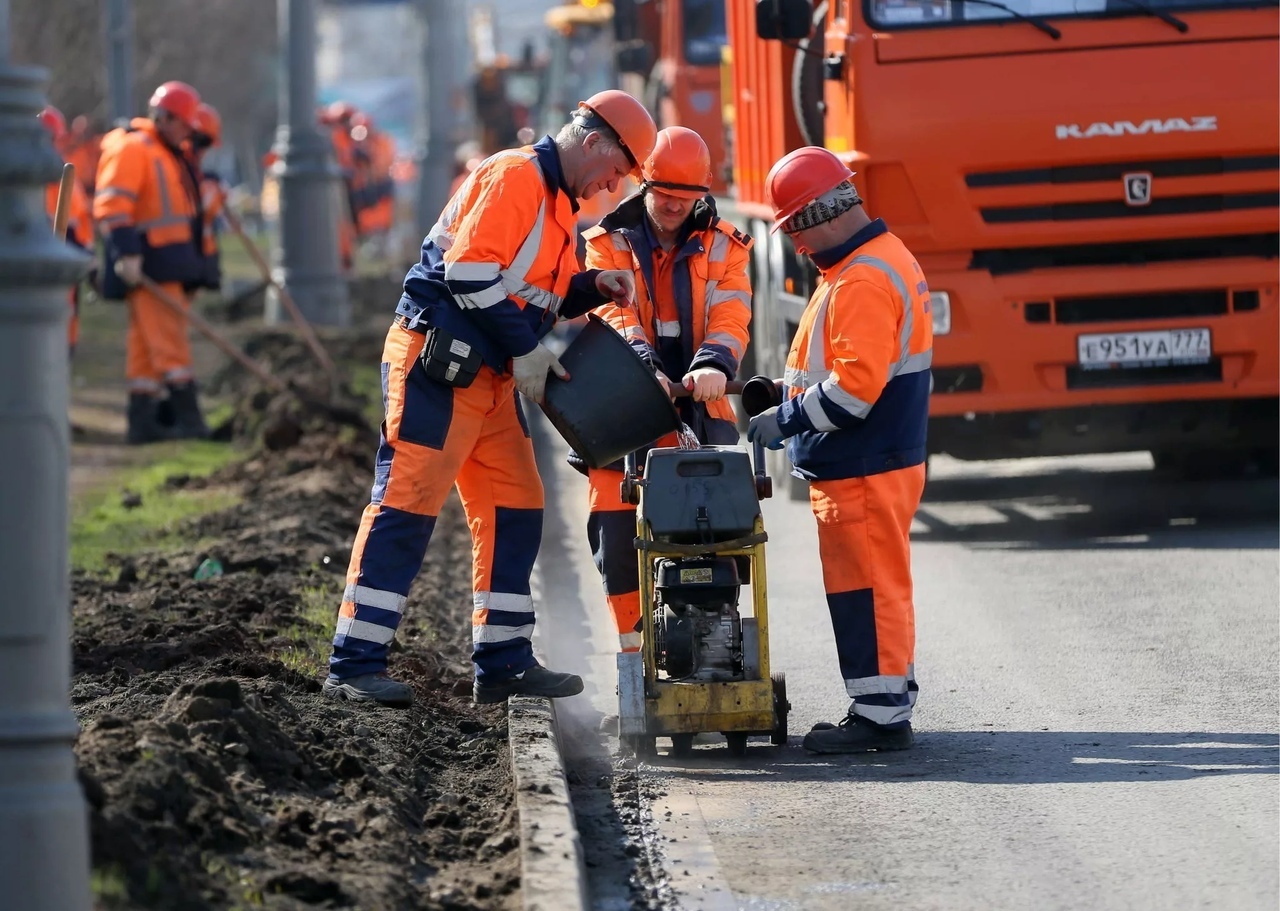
x,y
157,350
436,436
863,538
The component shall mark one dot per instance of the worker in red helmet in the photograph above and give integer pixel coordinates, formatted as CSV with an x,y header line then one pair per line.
x,y
496,272
689,323
79,221
854,416
148,210
213,191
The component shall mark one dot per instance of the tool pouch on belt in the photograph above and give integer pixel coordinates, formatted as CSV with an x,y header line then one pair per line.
x,y
450,360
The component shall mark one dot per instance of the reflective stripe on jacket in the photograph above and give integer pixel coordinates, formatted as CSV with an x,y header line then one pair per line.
x,y
146,204
711,291
858,375
500,265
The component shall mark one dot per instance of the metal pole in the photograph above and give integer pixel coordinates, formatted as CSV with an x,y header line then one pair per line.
x,y
44,844
435,163
310,186
119,33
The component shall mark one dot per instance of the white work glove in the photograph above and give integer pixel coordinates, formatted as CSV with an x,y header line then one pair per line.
x,y
764,427
129,268
530,372
706,383
618,284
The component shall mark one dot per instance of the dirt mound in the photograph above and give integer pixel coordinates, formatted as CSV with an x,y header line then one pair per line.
x,y
217,774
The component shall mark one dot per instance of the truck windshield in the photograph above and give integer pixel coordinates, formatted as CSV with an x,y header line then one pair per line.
x,y
916,13
705,32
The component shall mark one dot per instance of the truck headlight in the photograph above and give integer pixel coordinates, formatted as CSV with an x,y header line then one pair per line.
x,y
940,309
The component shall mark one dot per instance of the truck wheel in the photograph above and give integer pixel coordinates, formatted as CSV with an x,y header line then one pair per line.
x,y
807,79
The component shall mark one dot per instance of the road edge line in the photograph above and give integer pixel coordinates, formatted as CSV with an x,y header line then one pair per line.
x,y
552,873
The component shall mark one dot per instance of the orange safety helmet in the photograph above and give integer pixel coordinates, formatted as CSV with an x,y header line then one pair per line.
x,y
626,117
680,164
54,122
209,123
800,177
178,99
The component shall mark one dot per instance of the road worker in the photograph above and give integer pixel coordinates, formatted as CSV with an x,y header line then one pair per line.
x,y
147,207
337,118
853,419
692,309
79,221
213,191
496,271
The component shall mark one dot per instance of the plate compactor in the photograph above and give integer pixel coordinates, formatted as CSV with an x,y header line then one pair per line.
x,y
702,666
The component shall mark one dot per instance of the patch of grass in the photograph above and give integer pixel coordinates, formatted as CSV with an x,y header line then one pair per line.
x,y
101,523
313,632
366,381
108,887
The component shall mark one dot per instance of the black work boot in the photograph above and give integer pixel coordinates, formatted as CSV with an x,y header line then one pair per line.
x,y
536,681
857,735
188,422
377,688
144,427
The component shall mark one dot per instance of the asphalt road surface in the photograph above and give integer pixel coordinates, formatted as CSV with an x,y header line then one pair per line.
x,y
1098,718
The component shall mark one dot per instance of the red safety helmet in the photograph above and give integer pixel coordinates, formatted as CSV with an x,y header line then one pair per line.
x,y
209,123
178,99
800,177
54,122
680,164
626,117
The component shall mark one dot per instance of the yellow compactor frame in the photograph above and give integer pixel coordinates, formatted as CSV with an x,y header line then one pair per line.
x,y
736,708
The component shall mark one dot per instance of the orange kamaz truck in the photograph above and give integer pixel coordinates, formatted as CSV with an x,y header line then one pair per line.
x,y
1091,187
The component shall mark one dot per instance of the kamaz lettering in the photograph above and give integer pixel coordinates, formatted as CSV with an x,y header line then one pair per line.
x,y
1127,128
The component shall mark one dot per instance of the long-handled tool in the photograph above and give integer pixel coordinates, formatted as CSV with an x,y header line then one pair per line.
x,y
62,213
308,334
338,413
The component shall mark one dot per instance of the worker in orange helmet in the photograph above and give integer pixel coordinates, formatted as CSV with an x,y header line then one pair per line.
x,y
213,191
854,417
79,221
496,272
148,210
689,323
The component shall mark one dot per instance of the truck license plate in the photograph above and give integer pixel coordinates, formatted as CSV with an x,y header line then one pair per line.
x,y
1144,349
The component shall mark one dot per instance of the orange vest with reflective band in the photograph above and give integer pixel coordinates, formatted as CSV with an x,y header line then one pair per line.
x,y
717,296
497,266
146,203
858,377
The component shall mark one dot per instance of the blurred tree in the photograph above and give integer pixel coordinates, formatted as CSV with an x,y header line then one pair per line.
x,y
225,48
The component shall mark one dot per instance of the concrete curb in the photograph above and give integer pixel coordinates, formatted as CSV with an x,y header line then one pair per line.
x,y
552,875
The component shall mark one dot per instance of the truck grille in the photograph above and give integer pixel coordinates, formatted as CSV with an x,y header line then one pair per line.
x,y
1092,173
1008,260
1174,205
1127,307
1210,372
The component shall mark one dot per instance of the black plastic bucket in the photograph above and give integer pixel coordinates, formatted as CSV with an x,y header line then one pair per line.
x,y
612,404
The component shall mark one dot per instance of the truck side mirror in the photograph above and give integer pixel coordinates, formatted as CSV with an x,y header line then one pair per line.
x,y
783,20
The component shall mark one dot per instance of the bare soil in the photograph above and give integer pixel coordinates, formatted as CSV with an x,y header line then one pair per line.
x,y
217,774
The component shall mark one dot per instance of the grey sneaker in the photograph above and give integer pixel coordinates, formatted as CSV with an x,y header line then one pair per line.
x,y
536,681
377,688
857,735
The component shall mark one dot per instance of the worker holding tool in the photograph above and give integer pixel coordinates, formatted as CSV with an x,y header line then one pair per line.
x,y
854,417
147,206
693,307
79,231
497,270
213,192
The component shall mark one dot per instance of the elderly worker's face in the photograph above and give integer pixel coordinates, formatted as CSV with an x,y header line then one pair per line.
x,y
604,166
